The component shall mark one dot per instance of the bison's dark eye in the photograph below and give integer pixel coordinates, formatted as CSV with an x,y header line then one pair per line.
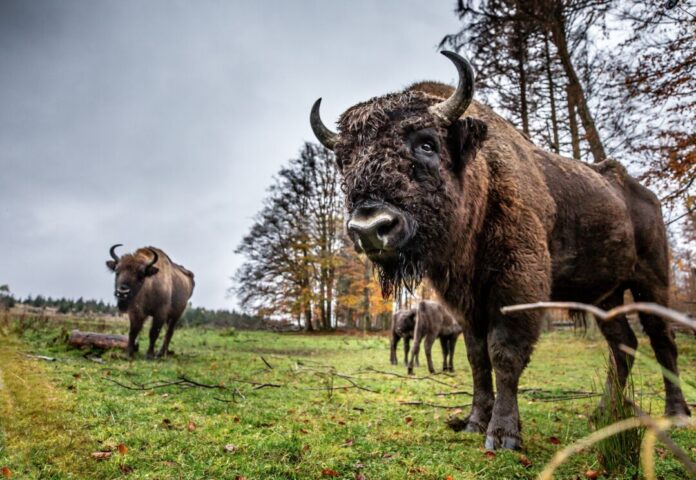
x,y
426,147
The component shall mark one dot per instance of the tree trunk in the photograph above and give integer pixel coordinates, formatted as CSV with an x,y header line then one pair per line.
x,y
573,125
552,97
575,90
99,340
522,74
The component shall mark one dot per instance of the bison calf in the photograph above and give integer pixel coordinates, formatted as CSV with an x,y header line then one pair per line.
x,y
432,322
149,284
403,325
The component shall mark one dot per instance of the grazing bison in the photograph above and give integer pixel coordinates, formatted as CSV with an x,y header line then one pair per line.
x,y
434,321
148,283
403,324
492,220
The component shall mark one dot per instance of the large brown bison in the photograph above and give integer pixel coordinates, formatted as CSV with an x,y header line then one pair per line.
x,y
492,220
150,284
433,321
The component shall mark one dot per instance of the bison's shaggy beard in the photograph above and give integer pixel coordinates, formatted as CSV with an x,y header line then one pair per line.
x,y
406,271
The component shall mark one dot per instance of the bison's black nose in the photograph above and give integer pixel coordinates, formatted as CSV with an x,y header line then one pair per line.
x,y
379,228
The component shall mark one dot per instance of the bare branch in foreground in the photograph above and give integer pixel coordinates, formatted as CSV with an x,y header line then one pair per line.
x,y
651,308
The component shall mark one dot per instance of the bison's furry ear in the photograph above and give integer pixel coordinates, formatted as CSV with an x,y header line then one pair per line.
x,y
149,271
465,139
111,265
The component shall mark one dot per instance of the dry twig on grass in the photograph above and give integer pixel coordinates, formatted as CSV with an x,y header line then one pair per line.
x,y
406,377
418,403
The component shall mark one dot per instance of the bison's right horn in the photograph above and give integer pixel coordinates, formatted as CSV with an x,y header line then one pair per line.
x,y
451,109
323,134
112,252
155,257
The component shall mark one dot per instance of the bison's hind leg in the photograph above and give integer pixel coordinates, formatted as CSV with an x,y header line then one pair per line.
x,y
617,333
664,346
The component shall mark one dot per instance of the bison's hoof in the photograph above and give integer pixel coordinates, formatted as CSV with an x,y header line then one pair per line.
x,y
410,371
494,442
465,424
677,408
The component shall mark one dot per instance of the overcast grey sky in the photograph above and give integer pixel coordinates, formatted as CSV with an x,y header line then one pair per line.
x,y
162,122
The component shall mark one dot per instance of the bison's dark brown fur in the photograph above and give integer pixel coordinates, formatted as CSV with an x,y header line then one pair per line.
x,y
492,220
403,325
149,284
433,321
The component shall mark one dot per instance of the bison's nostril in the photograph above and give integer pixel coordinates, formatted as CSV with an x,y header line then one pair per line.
x,y
386,227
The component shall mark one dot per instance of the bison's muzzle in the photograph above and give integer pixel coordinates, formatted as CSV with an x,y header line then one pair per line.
x,y
380,230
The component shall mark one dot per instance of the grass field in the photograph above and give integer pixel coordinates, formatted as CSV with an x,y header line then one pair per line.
x,y
302,415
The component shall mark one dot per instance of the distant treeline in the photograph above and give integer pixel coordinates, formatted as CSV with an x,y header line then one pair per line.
x,y
67,305
195,316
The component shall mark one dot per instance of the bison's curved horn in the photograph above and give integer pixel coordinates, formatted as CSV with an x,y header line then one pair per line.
x,y
155,257
451,109
112,252
323,134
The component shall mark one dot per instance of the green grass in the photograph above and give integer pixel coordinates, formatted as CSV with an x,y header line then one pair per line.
x,y
55,415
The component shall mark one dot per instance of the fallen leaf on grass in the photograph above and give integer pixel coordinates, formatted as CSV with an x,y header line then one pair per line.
x,y
408,420
125,469
6,472
456,411
387,455
101,455
327,472
240,477
347,443
236,419
554,440
591,474
341,422
489,454
360,476
525,462
302,430
122,449
231,447
449,477
191,426
76,376
167,423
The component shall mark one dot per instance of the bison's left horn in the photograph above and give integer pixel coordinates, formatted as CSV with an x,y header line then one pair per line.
x,y
112,252
451,109
155,257
323,134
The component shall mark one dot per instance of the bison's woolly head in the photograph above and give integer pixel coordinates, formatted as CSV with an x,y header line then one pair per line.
x,y
131,271
401,157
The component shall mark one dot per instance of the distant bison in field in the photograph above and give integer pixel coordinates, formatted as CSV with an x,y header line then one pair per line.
x,y
149,283
492,220
433,321
403,325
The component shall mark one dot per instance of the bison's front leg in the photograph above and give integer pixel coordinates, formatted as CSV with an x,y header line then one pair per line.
x,y
164,349
510,344
392,349
136,324
157,324
482,405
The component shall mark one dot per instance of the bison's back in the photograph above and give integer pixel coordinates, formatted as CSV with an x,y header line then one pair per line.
x,y
592,242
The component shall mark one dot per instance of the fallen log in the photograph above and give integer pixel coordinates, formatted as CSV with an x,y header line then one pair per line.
x,y
99,340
